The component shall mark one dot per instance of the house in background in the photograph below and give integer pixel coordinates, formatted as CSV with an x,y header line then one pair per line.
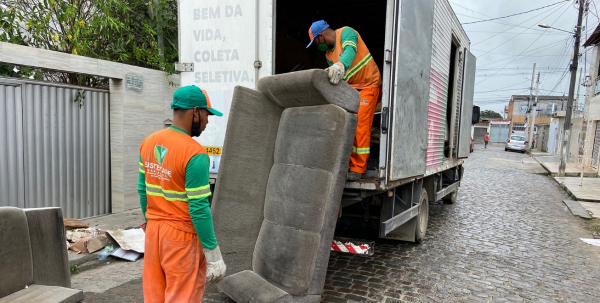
x,y
518,113
591,142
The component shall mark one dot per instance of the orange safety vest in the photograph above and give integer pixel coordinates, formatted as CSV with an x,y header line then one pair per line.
x,y
164,156
363,72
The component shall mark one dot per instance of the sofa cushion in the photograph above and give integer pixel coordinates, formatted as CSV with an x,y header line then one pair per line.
x,y
246,286
16,265
285,256
310,136
44,294
296,196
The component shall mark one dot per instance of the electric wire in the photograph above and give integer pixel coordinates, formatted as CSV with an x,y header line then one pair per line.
x,y
529,11
534,41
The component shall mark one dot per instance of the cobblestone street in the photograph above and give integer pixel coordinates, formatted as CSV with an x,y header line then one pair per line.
x,y
508,238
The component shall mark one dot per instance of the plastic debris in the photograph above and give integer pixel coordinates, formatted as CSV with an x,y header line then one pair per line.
x,y
107,251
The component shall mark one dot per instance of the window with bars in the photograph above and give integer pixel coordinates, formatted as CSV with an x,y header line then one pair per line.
x,y
518,127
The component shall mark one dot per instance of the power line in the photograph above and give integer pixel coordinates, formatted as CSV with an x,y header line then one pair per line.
x,y
527,46
529,11
556,34
522,32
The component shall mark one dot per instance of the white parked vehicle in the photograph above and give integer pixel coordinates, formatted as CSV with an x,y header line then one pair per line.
x,y
517,143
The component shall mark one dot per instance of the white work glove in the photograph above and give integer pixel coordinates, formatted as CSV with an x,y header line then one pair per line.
x,y
215,267
336,72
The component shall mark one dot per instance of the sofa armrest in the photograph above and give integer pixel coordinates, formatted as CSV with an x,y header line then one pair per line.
x,y
48,246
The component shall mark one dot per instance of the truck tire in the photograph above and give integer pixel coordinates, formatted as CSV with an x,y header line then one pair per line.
x,y
422,217
450,198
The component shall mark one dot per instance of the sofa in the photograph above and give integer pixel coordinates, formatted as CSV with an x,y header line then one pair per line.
x,y
33,257
282,174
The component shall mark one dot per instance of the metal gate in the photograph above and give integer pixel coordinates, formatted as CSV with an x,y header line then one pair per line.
x,y
499,132
596,149
52,151
479,133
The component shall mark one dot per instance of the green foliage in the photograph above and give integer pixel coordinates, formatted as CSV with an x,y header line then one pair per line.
x,y
124,31
74,269
491,114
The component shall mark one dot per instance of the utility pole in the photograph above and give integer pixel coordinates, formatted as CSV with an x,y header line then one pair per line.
x,y
579,87
564,153
533,110
528,129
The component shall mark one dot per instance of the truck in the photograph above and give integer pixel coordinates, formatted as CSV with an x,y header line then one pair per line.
x,y
422,128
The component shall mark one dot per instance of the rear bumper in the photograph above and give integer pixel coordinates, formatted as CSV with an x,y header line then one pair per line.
x,y
516,147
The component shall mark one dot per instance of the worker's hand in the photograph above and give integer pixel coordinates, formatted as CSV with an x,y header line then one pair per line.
x,y
215,267
336,72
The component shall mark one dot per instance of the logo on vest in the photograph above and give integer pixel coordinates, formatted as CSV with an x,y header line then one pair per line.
x,y
160,153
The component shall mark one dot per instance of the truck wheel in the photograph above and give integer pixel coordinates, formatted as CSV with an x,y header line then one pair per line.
x,y
450,198
422,218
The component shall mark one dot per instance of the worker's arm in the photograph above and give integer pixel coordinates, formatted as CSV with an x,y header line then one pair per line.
x,y
198,190
142,188
349,40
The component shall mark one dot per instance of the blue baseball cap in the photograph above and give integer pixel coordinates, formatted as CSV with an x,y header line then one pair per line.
x,y
315,29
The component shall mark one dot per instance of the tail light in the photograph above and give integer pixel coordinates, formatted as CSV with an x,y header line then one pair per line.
x,y
508,140
525,143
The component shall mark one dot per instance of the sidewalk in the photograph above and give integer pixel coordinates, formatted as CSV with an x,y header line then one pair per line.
x,y
550,162
93,275
590,191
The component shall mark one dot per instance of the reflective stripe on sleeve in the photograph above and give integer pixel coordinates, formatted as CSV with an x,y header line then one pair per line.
x,y
349,43
198,192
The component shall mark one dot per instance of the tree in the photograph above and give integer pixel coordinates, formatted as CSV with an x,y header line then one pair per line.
x,y
491,114
124,31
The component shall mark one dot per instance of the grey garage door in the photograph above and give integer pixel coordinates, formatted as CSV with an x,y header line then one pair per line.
x,y
479,133
499,132
52,151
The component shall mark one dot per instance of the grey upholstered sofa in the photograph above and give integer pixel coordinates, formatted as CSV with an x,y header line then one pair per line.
x,y
33,257
283,169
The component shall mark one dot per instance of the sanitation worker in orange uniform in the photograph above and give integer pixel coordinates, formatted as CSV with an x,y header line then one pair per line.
x,y
181,251
349,59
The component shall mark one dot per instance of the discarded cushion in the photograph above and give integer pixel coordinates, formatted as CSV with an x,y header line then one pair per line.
x,y
246,286
43,293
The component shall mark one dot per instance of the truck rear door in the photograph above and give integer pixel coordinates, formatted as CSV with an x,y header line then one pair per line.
x,y
466,107
409,88
220,38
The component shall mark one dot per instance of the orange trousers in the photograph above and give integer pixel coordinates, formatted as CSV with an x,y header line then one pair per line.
x,y
174,265
361,148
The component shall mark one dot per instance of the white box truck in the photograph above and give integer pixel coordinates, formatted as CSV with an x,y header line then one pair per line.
x,y
422,128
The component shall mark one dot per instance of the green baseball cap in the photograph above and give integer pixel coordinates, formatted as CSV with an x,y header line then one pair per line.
x,y
190,96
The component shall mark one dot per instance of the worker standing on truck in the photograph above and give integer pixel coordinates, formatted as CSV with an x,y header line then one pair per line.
x,y
349,59
181,251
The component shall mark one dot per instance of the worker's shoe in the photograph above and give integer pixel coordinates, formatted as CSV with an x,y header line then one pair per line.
x,y
353,176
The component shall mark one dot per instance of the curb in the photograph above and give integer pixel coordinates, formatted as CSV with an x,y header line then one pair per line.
x,y
88,261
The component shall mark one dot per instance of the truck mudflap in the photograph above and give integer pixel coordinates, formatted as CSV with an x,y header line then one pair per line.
x,y
353,246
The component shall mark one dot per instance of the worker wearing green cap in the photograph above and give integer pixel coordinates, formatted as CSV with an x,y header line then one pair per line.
x,y
181,250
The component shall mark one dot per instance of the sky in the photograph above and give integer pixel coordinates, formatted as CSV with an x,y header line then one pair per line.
x,y
506,49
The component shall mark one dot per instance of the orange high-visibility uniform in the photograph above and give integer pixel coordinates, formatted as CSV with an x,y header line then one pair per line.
x,y
363,74
174,263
